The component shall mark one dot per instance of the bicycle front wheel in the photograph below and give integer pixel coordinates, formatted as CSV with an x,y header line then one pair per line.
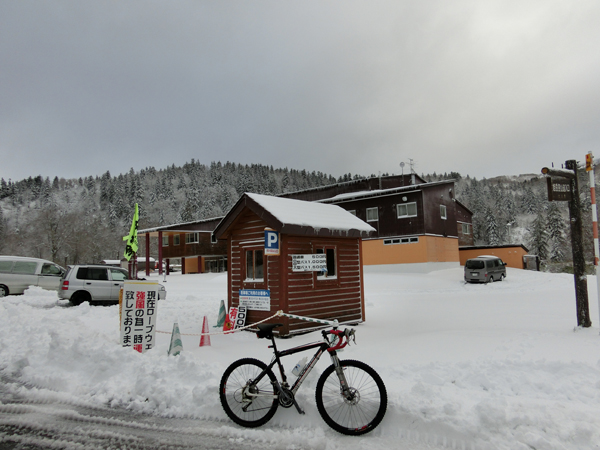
x,y
248,402
361,408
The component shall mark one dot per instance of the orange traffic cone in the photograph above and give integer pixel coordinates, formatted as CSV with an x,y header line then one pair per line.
x,y
205,338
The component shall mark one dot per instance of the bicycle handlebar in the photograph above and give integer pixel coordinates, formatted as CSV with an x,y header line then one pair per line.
x,y
344,337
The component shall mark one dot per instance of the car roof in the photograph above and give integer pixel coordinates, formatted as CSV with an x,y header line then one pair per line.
x,y
23,258
102,266
486,257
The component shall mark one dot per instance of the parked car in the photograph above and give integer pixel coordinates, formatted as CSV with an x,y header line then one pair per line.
x,y
96,283
17,273
484,269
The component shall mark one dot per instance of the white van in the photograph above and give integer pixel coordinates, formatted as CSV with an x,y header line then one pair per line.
x,y
17,273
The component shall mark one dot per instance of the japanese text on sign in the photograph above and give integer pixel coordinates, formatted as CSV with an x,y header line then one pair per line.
x,y
559,189
138,315
256,299
309,263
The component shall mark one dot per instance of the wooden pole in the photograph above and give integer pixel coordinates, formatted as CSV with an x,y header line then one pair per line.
x,y
581,294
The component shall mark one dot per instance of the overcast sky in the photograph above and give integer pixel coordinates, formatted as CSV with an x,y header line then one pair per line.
x,y
483,88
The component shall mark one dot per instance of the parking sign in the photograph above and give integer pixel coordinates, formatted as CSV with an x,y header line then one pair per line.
x,y
271,242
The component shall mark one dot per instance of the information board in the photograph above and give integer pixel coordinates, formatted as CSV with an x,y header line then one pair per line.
x,y
309,263
559,189
138,315
256,299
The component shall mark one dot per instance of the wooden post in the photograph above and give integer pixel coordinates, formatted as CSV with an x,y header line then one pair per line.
x,y
581,294
160,252
574,203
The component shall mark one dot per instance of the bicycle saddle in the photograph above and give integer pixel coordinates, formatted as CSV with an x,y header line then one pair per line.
x,y
265,330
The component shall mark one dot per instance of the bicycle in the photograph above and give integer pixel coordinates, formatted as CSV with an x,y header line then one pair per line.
x,y
350,395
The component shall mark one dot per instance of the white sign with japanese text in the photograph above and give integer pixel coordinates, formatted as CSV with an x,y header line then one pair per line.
x,y
256,299
309,263
138,315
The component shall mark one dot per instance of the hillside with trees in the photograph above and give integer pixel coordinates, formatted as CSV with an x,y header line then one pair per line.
x,y
83,220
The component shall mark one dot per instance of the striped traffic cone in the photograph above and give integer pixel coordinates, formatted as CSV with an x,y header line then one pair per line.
x,y
176,345
222,314
205,338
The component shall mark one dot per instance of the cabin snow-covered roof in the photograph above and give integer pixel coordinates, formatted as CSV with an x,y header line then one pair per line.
x,y
297,217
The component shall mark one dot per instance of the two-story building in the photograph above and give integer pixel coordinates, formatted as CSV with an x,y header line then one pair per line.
x,y
419,225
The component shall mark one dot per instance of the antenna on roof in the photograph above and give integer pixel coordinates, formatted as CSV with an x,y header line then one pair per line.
x,y
412,171
402,166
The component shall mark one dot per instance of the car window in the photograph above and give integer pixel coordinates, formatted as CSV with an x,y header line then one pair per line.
x,y
97,274
50,269
474,264
25,267
5,266
92,273
119,275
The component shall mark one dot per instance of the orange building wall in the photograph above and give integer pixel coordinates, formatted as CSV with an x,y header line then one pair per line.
x,y
191,265
428,249
512,256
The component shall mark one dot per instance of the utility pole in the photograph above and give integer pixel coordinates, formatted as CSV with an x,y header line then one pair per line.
x,y
557,190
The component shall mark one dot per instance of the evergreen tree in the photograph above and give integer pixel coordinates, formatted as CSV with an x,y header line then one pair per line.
x,y
492,228
538,237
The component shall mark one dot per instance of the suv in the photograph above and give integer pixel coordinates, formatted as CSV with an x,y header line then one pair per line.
x,y
96,283
484,269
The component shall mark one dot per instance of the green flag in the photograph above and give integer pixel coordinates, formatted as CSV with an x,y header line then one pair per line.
x,y
131,238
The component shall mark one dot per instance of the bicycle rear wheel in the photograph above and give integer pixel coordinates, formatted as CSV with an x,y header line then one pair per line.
x,y
359,411
239,390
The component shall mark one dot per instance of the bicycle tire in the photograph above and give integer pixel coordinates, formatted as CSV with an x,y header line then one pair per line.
x,y
236,378
352,416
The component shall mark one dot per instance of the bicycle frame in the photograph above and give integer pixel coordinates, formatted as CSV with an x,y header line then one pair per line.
x,y
322,347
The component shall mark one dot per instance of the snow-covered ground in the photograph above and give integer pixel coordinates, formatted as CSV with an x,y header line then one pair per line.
x,y
498,366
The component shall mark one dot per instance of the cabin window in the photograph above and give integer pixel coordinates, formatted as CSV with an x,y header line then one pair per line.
x,y
165,241
176,239
192,238
254,265
331,271
406,210
443,214
372,214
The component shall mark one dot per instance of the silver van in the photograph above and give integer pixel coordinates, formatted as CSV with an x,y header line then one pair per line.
x,y
484,269
17,273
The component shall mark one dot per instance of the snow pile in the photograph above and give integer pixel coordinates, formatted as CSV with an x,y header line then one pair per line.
x,y
495,366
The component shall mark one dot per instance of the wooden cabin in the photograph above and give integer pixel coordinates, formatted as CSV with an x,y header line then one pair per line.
x,y
336,291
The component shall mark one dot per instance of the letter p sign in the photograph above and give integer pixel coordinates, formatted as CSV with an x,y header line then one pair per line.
x,y
271,242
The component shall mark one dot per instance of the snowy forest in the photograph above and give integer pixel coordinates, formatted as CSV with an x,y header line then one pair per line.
x,y
83,220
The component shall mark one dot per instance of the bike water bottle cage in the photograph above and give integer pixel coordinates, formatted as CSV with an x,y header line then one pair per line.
x,y
265,330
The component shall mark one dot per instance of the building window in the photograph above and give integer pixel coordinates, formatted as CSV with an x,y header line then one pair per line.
x,y
331,264
405,240
176,239
191,238
352,211
466,228
165,241
372,214
254,265
406,210
443,212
